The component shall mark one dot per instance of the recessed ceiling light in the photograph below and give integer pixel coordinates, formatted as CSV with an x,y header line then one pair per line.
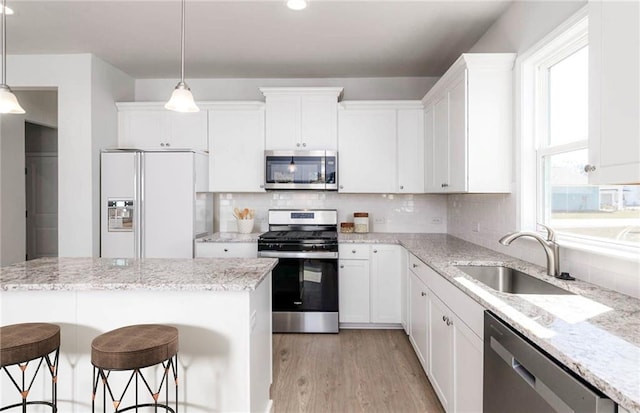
x,y
297,4
9,11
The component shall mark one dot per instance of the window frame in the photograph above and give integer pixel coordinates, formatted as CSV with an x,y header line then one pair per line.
x,y
531,99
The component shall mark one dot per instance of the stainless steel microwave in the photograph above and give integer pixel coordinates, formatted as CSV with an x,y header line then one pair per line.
x,y
301,170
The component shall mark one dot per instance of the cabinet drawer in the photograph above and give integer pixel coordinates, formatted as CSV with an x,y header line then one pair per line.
x,y
465,307
353,251
420,269
226,250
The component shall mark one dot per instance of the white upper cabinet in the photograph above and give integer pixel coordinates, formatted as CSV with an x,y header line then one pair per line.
x,y
468,121
301,118
236,147
380,147
614,92
145,125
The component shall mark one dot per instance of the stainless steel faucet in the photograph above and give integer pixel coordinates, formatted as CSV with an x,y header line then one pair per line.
x,y
550,246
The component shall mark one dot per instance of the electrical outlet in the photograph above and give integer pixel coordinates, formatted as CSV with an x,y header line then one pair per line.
x,y
475,227
380,220
436,220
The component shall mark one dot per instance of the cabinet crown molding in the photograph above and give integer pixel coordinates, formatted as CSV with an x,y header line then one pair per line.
x,y
282,91
381,104
204,105
472,61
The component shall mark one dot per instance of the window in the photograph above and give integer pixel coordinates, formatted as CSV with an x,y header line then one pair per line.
x,y
556,114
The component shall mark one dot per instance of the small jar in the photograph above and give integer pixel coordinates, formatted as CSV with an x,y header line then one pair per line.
x,y
347,227
361,221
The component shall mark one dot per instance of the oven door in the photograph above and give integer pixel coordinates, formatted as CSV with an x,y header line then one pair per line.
x,y
305,295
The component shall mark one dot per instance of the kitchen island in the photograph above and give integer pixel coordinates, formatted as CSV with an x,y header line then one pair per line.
x,y
221,307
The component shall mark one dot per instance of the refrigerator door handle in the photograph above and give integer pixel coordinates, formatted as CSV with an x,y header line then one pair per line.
x,y
141,238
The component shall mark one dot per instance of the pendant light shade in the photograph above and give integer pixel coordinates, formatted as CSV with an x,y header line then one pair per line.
x,y
8,101
181,99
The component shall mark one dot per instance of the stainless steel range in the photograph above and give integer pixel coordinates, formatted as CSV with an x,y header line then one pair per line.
x,y
305,281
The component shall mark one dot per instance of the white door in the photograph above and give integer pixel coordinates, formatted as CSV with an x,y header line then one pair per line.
x,y
168,205
318,122
367,151
188,130
467,368
429,151
353,291
418,293
143,128
411,151
440,351
42,205
385,284
441,144
283,123
236,150
458,135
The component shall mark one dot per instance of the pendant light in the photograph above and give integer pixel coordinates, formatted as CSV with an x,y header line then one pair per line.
x,y
8,101
181,98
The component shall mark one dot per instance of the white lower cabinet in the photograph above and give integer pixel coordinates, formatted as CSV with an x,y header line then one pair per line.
x,y
419,307
446,333
226,250
369,283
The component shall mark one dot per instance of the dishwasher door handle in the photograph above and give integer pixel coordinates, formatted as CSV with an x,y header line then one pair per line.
x,y
538,385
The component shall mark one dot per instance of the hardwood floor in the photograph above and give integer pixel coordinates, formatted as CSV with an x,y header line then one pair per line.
x,y
354,371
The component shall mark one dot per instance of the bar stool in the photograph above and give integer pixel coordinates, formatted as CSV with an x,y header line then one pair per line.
x,y
133,348
23,343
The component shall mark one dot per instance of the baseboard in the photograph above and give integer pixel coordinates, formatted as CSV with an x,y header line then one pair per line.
x,y
371,326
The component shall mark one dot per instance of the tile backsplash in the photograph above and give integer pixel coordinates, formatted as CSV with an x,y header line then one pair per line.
x,y
387,212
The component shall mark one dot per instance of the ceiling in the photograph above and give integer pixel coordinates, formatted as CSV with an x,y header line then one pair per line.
x,y
331,38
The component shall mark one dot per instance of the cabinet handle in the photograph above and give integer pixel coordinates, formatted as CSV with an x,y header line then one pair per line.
x,y
444,185
414,265
304,144
444,318
375,251
226,250
423,293
341,186
162,144
262,186
589,168
342,266
401,186
298,144
449,322
166,144
353,251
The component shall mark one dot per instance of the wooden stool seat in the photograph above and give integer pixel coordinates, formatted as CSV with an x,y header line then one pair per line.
x,y
20,343
134,347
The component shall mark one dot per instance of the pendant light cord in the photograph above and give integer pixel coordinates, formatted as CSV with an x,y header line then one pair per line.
x,y
181,45
4,42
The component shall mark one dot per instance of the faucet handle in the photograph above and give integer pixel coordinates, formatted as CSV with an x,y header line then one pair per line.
x,y
551,234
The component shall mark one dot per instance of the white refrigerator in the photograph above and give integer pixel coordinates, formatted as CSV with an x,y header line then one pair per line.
x,y
153,203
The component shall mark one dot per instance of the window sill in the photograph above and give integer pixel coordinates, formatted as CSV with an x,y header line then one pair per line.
x,y
608,249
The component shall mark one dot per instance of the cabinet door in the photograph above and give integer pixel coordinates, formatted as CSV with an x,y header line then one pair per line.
x,y
353,291
187,130
367,151
143,129
441,143
440,351
467,368
458,135
318,123
614,100
385,284
283,123
418,317
410,151
429,150
236,150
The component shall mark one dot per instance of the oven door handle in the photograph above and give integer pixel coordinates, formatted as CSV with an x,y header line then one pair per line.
x,y
302,254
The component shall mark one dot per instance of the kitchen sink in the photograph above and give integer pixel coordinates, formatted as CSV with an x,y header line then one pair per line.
x,y
509,280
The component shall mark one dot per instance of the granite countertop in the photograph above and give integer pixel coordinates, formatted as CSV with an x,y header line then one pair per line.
x,y
596,333
230,237
78,274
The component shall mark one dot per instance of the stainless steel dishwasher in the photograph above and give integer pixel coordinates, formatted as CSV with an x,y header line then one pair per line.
x,y
520,377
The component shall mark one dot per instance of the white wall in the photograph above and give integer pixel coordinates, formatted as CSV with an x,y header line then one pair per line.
x,y
387,212
12,207
247,88
41,106
82,81
520,27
